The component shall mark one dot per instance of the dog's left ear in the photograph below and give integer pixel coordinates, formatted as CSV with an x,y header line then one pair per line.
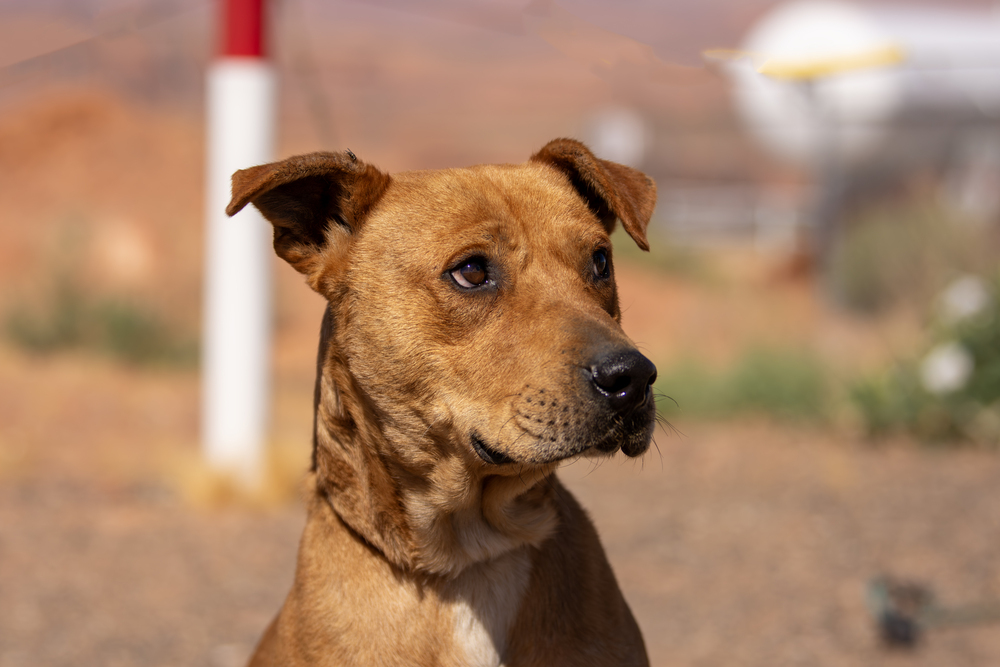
x,y
315,202
611,190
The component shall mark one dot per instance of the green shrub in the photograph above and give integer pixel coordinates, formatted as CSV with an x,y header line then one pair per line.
x,y
791,385
780,384
118,328
903,252
905,398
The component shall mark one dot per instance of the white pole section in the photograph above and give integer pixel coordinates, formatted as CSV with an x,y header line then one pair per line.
x,y
236,349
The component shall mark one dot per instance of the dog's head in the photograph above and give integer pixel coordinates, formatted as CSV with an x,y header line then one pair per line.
x,y
476,306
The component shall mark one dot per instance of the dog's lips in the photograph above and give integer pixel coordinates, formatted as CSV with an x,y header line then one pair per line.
x,y
488,455
632,435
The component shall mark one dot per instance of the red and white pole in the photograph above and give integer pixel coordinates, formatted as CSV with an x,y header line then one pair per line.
x,y
236,350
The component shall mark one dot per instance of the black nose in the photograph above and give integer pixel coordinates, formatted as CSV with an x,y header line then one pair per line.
x,y
624,377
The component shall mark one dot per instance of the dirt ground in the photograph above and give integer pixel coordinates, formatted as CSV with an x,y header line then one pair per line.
x,y
741,543
736,544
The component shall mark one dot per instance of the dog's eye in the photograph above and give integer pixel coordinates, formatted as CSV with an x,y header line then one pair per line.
x,y
601,264
470,273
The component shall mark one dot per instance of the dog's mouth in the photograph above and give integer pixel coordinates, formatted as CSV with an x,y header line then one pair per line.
x,y
630,435
488,455
631,444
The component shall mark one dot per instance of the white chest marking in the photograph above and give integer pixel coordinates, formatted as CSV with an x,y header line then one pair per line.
x,y
488,597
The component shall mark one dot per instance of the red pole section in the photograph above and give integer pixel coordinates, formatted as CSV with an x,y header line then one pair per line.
x,y
242,28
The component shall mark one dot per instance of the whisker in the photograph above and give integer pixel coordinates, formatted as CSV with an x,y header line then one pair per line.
x,y
657,396
520,476
502,426
658,452
673,429
594,465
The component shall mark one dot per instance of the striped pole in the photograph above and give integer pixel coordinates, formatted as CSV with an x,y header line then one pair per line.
x,y
236,352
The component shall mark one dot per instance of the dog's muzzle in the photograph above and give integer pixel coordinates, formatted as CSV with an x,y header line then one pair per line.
x,y
611,408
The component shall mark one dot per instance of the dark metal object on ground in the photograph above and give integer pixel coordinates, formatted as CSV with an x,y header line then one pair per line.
x,y
898,608
905,610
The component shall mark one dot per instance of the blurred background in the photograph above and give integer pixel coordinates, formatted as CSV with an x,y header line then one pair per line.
x,y
821,301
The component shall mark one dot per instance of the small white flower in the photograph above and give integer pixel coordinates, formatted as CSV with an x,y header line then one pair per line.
x,y
946,368
964,297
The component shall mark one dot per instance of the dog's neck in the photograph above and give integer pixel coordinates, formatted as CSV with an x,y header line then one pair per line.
x,y
458,517
413,496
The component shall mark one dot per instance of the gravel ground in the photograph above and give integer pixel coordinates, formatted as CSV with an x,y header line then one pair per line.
x,y
735,545
748,545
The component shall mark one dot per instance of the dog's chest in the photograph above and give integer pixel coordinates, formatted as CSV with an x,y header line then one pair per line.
x,y
487,598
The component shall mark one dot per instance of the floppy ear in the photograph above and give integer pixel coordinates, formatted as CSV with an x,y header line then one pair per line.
x,y
309,199
611,190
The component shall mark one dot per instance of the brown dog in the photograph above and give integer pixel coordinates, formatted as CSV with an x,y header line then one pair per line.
x,y
471,343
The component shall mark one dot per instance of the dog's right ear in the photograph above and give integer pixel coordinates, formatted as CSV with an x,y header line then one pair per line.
x,y
613,191
315,203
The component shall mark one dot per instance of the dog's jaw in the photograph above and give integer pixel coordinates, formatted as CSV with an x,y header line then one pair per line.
x,y
463,511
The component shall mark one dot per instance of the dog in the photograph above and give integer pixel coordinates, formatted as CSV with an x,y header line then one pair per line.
x,y
470,343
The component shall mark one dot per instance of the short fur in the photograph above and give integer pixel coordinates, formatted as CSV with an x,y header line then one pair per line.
x,y
437,532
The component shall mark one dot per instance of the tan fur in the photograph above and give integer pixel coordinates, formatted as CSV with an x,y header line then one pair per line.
x,y
437,532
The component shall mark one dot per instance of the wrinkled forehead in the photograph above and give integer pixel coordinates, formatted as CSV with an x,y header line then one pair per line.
x,y
531,203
